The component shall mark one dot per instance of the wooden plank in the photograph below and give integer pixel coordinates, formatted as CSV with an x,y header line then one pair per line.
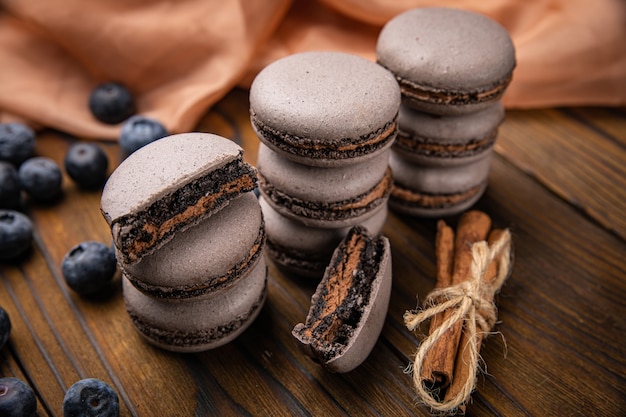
x,y
585,168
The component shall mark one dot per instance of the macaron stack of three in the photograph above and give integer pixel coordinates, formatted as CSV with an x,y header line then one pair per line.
x,y
189,235
453,66
326,122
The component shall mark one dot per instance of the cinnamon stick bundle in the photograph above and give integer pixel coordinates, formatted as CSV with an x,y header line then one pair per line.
x,y
470,271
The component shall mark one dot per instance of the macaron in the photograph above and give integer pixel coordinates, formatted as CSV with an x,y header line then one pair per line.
x,y
325,108
447,61
429,139
170,185
443,187
349,306
214,254
335,197
305,251
201,323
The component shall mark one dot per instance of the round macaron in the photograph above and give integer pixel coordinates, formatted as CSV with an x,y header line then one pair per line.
x,y
430,139
324,197
198,324
443,187
214,254
303,250
447,61
325,108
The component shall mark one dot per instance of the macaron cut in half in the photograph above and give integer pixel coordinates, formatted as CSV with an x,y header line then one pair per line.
x,y
447,61
349,306
170,185
325,108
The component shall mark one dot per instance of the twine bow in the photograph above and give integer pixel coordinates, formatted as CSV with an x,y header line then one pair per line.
x,y
472,301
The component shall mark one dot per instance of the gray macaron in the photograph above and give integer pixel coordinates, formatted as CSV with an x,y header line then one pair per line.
x,y
325,108
447,61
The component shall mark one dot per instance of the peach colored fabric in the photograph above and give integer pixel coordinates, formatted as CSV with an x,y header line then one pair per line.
x,y
180,57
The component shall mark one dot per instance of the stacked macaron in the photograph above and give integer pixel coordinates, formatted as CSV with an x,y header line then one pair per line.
x,y
188,233
326,122
452,67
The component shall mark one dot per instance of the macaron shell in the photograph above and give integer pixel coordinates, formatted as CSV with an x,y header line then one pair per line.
x,y
163,166
441,175
450,130
320,184
195,325
202,258
324,100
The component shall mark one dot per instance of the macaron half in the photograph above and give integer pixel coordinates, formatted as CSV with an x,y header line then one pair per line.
x,y
349,306
325,108
447,61
170,185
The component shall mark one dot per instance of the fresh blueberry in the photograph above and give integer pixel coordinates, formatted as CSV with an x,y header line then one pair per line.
x,y
17,142
17,399
16,234
91,397
5,327
111,103
89,267
41,178
9,186
87,164
139,131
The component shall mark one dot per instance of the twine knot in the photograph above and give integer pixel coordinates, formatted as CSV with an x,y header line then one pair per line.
x,y
471,301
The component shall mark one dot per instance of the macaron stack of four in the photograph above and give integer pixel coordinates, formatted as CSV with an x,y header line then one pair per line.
x,y
326,122
453,66
189,236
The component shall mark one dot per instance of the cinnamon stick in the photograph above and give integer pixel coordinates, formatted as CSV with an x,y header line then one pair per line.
x,y
473,227
463,362
435,367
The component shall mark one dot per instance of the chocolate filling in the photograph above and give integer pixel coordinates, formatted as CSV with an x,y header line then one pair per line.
x,y
209,284
414,198
345,148
343,295
428,147
437,95
138,234
336,210
186,339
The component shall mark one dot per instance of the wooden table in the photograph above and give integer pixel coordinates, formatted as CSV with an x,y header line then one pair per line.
x,y
558,181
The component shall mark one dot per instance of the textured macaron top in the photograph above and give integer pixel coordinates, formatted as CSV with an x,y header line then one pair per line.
x,y
161,167
324,105
446,48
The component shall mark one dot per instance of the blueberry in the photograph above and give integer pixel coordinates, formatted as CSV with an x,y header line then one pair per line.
x,y
139,131
17,399
16,234
89,267
17,142
9,186
111,103
41,178
5,327
91,398
87,164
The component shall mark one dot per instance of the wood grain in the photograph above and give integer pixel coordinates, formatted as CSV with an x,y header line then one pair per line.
x,y
558,181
